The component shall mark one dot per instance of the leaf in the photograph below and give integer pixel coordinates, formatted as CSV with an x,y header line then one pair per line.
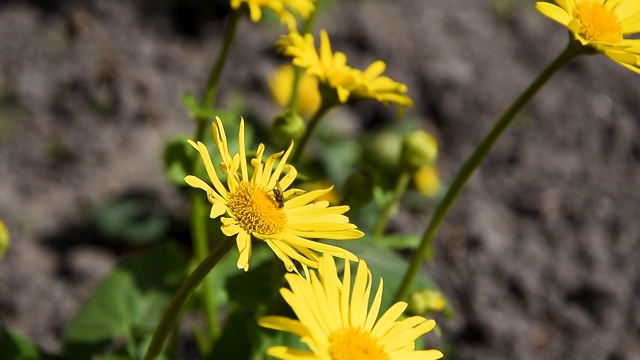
x,y
13,346
128,304
260,284
194,107
133,218
178,159
399,241
234,342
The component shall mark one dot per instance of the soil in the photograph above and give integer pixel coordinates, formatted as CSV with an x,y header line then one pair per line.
x,y
539,257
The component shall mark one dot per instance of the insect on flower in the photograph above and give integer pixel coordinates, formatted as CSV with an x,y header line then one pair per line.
x,y
278,196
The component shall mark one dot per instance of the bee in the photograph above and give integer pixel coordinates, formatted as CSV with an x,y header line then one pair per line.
x,y
278,196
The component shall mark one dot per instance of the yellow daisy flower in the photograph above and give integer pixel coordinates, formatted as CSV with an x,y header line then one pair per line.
x,y
336,323
258,202
286,10
604,26
331,69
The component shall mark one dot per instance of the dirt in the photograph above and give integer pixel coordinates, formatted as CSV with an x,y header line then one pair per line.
x,y
539,258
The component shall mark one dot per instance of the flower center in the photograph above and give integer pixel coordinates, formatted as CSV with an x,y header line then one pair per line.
x,y
256,209
354,344
597,23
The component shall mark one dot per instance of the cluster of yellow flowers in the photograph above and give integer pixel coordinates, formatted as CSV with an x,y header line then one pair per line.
x,y
258,202
332,70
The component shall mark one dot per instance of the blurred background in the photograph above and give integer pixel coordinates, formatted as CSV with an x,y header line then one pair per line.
x,y
539,257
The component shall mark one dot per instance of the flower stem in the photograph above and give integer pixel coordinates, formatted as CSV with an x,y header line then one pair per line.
x,y
184,293
425,250
199,213
401,187
310,127
200,242
211,91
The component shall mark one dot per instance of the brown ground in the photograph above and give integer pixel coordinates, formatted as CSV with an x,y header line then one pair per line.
x,y
539,257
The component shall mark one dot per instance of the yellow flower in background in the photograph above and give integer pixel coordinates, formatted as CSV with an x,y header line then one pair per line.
x,y
331,69
336,323
258,202
4,239
426,301
427,180
610,27
286,10
281,84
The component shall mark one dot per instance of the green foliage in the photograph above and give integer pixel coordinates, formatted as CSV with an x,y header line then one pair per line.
x,y
127,305
135,218
15,347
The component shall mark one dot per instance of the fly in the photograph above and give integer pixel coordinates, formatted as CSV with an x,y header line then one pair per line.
x,y
278,196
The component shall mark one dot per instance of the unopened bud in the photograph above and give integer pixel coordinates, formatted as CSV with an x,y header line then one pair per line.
x,y
288,126
427,180
4,239
418,149
427,301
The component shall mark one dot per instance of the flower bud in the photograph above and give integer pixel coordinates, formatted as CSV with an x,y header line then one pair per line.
x,y
288,126
427,180
427,301
4,239
358,190
418,149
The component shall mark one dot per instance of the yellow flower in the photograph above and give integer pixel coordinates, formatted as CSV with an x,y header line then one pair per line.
x,y
286,10
281,83
427,180
608,27
258,202
331,69
336,323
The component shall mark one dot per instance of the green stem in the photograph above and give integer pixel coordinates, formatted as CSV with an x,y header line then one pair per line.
x,y
184,293
313,123
199,214
401,187
199,239
211,91
425,250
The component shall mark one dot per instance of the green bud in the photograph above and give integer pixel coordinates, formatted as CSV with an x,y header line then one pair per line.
x,y
418,149
427,301
288,126
382,151
358,190
4,239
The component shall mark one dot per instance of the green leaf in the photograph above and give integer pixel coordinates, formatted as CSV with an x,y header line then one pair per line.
x,y
235,341
13,346
399,241
128,304
194,107
178,159
133,218
257,286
